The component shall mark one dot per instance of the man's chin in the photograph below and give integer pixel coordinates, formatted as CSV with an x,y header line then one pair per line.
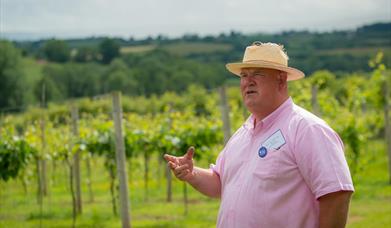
x,y
249,104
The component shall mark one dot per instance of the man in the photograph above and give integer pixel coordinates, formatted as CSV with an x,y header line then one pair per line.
x,y
284,167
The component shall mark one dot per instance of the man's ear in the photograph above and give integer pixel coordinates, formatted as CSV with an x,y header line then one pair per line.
x,y
282,76
282,79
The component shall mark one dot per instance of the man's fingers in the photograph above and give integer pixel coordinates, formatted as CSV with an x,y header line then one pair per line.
x,y
190,153
182,174
172,165
179,169
170,158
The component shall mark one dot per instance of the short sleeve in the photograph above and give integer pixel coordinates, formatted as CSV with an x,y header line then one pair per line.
x,y
319,153
219,166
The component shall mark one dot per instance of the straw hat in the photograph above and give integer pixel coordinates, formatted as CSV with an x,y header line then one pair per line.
x,y
265,55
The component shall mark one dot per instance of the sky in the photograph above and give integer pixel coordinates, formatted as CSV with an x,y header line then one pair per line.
x,y
33,19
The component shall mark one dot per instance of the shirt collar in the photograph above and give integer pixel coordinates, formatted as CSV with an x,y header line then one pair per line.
x,y
270,119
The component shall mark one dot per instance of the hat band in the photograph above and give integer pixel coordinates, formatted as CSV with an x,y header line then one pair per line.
x,y
264,61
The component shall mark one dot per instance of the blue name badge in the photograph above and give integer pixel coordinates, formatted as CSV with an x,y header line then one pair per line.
x,y
262,152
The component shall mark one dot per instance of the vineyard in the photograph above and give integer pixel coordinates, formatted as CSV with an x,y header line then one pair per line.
x,y
58,164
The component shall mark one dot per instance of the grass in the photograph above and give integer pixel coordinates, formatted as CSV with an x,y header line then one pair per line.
x,y
371,203
18,209
370,206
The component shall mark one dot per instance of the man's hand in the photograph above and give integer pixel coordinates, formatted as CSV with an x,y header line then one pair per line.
x,y
182,167
203,180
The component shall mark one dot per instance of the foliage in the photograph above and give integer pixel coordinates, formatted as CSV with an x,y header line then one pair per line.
x,y
109,48
86,54
47,88
57,51
159,65
14,156
67,80
11,76
380,78
118,77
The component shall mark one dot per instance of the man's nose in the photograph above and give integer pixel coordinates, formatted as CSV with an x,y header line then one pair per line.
x,y
247,81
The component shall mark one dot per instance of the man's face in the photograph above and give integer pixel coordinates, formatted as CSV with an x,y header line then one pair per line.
x,y
259,87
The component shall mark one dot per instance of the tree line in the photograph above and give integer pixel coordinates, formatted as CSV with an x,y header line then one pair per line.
x,y
134,74
93,66
346,50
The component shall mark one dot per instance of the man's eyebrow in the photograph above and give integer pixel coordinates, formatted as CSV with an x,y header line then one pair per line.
x,y
258,72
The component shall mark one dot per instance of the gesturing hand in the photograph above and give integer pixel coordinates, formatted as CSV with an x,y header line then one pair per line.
x,y
182,167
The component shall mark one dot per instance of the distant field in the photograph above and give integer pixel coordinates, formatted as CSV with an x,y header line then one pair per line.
x,y
137,49
182,49
356,51
187,48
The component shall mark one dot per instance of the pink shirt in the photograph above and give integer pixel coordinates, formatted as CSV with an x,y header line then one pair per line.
x,y
278,185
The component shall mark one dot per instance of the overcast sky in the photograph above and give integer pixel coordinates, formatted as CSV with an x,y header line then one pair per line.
x,y
173,18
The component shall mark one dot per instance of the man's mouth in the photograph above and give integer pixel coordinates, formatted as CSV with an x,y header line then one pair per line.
x,y
250,92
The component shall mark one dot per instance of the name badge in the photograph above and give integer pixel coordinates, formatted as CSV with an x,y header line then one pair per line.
x,y
275,141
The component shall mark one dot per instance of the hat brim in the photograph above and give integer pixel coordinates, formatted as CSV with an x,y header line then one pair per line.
x,y
293,73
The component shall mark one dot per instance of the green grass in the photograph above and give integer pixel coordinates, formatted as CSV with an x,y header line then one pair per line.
x,y
370,206
18,209
371,203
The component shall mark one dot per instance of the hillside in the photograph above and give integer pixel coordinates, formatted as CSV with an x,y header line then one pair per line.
x,y
153,66
342,51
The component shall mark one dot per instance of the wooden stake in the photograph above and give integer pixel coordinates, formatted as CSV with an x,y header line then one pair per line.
x,y
76,158
121,160
386,91
225,114
314,100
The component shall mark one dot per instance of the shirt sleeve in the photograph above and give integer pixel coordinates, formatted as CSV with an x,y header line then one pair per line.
x,y
219,166
320,157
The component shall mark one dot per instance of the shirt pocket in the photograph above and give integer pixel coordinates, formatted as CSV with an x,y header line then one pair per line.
x,y
266,167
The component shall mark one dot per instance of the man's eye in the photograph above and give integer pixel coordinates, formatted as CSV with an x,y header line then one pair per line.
x,y
259,74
